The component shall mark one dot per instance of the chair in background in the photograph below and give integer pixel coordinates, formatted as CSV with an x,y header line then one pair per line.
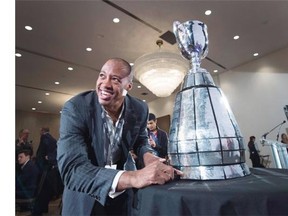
x,y
265,160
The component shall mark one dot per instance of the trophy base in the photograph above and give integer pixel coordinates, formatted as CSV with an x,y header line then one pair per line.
x,y
215,172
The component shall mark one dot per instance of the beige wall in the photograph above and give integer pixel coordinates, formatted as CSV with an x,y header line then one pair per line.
x,y
257,93
34,121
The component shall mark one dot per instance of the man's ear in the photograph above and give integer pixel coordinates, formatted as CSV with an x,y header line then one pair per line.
x,y
129,86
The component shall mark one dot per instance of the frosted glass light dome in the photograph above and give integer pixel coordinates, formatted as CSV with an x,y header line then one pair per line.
x,y
161,72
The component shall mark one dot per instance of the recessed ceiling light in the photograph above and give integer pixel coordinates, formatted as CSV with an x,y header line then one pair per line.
x,y
47,93
236,37
39,102
116,20
89,49
131,64
33,108
215,71
57,83
144,100
29,28
100,36
208,12
255,54
70,68
139,86
18,55
60,111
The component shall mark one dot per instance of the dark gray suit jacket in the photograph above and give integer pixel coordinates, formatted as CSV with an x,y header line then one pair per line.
x,y
80,151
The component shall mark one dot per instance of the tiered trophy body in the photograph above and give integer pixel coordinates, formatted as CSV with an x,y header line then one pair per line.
x,y
205,141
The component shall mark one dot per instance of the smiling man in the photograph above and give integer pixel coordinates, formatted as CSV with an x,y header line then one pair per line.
x,y
98,129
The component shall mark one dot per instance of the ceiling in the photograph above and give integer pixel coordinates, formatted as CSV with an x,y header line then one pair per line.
x,y
62,30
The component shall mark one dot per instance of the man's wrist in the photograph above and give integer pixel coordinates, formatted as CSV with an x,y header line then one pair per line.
x,y
148,158
126,180
113,191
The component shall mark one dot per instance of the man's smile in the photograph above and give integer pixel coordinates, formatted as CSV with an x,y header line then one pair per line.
x,y
105,94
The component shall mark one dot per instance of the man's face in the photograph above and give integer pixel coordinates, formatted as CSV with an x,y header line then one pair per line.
x,y
151,125
22,158
112,81
25,135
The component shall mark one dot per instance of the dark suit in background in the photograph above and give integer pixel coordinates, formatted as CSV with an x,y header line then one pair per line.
x,y
81,158
47,163
27,180
47,147
19,147
161,142
254,155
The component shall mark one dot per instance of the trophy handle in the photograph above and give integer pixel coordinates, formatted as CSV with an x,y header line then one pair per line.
x,y
176,33
175,27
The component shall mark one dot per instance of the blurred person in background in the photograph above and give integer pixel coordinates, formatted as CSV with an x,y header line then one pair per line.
x,y
22,143
158,138
254,152
46,160
27,178
284,140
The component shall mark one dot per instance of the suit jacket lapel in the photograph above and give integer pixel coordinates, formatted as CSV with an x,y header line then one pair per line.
x,y
130,128
98,134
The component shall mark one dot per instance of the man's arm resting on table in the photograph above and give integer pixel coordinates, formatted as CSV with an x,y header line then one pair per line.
x,y
116,191
154,172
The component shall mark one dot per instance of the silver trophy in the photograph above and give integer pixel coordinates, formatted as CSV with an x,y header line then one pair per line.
x,y
205,141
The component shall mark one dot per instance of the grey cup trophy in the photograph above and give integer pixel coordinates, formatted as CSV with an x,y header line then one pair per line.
x,y
205,141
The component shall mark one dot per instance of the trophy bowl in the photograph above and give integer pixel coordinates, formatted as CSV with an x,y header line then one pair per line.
x,y
191,37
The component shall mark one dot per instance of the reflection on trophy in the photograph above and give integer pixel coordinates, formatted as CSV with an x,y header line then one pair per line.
x,y
205,141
